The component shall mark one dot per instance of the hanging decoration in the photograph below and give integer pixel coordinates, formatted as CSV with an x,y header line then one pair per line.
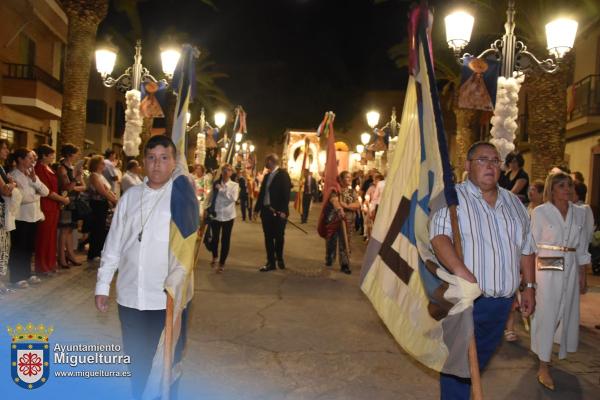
x,y
506,113
133,124
200,154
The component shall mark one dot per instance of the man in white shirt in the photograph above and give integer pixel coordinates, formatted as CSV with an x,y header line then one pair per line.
x,y
137,246
110,171
496,243
131,176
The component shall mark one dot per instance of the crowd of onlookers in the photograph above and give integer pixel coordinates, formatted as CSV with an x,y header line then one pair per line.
x,y
53,206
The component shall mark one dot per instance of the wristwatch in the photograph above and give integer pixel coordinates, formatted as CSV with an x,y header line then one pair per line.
x,y
532,285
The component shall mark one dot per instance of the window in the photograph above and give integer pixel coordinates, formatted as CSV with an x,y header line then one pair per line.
x,y
96,112
26,50
119,119
8,134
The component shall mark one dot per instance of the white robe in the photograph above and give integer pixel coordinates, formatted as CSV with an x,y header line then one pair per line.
x,y
556,315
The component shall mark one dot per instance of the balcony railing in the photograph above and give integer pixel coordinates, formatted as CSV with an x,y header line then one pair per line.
x,y
584,98
31,72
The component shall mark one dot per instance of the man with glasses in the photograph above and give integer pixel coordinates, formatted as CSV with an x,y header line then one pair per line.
x,y
497,244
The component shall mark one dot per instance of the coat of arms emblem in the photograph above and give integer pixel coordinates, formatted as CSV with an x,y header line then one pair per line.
x,y
30,355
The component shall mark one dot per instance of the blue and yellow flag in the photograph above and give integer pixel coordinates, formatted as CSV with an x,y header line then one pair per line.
x,y
416,298
185,221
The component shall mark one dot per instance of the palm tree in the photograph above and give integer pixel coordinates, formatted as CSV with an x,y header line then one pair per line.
x,y
84,17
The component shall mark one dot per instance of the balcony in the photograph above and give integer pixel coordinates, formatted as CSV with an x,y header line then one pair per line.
x,y
32,91
583,106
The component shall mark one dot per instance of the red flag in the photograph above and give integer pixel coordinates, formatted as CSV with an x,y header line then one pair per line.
x,y
331,171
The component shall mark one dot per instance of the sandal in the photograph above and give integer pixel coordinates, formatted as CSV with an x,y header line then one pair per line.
x,y
547,385
510,336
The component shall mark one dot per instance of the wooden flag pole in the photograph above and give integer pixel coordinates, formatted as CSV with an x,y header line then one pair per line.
x,y
476,389
345,235
168,354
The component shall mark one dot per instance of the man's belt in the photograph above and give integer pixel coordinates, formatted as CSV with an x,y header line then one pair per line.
x,y
556,248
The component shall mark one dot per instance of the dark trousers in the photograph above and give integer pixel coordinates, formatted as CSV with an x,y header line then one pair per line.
x,y
274,231
141,333
21,249
222,228
337,242
489,318
306,199
98,229
244,208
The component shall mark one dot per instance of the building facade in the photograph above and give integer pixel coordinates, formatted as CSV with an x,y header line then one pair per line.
x,y
33,36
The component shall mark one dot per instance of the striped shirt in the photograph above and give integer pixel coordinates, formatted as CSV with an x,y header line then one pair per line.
x,y
493,238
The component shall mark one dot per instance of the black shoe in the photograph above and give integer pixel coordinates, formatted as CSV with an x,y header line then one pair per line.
x,y
267,267
281,264
345,269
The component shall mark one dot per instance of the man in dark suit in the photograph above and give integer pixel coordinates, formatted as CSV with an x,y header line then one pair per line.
x,y
310,191
273,206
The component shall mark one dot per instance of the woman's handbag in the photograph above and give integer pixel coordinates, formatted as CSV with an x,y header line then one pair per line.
x,y
550,263
81,207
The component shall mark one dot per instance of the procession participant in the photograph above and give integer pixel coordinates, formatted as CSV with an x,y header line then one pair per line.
x,y
138,247
226,193
340,210
496,241
132,175
558,227
241,180
310,190
273,206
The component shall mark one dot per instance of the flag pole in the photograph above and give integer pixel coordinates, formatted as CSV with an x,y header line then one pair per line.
x,y
168,356
476,389
344,229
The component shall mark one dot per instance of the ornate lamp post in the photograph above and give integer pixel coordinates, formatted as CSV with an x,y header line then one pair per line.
x,y
515,59
132,78
560,35
130,82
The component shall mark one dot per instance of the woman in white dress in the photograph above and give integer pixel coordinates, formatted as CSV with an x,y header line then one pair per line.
x,y
558,229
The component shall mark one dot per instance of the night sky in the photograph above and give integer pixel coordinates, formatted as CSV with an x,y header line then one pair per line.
x,y
288,61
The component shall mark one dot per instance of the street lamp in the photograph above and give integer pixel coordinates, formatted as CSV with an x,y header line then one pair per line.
x,y
365,138
252,148
238,137
360,148
560,38
245,147
372,118
220,118
132,78
188,117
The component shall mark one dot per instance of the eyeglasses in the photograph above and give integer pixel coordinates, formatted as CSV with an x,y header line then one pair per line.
x,y
487,161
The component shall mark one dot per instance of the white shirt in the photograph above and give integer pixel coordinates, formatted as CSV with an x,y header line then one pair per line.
x,y
267,198
493,238
225,201
110,173
30,210
143,266
129,179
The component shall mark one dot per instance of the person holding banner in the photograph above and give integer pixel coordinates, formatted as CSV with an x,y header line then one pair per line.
x,y
138,247
496,243
273,206
339,218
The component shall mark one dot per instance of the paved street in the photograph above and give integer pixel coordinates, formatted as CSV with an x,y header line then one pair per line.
x,y
302,333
